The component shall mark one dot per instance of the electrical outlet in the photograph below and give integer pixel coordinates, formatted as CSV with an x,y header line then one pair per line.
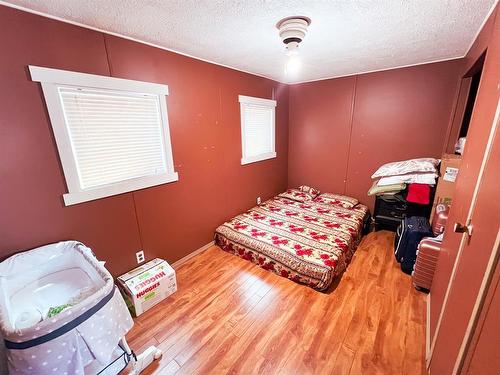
x,y
259,200
140,256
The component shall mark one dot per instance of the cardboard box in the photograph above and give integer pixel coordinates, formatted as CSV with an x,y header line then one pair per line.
x,y
147,285
450,165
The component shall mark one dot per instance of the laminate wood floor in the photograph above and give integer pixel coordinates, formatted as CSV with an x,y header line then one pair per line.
x,y
232,317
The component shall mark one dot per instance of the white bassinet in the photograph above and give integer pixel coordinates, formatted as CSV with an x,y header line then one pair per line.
x,y
60,313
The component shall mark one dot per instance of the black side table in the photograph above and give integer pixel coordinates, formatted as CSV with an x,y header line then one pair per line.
x,y
391,209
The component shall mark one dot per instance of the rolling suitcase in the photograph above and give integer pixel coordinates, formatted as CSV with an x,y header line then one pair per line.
x,y
408,236
425,265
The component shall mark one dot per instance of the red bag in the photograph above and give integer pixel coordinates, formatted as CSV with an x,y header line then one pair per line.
x,y
419,193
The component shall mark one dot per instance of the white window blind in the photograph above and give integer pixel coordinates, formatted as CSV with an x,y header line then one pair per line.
x,y
112,134
257,129
115,137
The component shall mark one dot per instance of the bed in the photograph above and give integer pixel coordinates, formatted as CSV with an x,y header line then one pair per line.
x,y
305,237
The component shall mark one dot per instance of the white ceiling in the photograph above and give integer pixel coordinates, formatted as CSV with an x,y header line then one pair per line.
x,y
346,36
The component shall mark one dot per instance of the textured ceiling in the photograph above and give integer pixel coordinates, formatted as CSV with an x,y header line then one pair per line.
x,y
345,37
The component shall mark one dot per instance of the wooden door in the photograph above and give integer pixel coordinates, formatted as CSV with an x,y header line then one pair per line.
x,y
475,261
477,139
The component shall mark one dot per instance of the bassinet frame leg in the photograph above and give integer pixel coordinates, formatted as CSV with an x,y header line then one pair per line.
x,y
143,360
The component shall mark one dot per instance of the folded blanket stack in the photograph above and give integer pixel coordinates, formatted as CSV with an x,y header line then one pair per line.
x,y
419,174
386,189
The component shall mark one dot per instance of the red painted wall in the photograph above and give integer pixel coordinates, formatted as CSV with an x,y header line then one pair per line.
x,y
342,130
320,121
168,221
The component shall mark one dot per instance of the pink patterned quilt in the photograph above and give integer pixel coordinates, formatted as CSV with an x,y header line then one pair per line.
x,y
310,243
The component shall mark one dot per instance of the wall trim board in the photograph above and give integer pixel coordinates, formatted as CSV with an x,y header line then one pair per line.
x,y
75,23
61,19
183,260
455,111
428,332
493,7
351,126
377,70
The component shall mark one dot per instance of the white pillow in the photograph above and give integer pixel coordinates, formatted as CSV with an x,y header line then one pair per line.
x,y
418,178
407,166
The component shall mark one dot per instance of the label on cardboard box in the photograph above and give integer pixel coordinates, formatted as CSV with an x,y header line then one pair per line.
x,y
147,285
450,174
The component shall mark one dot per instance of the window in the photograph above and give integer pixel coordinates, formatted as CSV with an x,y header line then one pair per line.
x,y
257,129
112,134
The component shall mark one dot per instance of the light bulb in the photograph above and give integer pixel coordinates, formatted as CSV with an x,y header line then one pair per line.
x,y
292,65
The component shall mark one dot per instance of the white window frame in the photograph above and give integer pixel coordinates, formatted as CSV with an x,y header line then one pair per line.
x,y
244,100
51,80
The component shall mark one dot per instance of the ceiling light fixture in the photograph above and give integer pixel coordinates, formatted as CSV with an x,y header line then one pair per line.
x,y
292,31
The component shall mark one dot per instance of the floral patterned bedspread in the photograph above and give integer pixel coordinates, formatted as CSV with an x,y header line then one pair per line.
x,y
309,243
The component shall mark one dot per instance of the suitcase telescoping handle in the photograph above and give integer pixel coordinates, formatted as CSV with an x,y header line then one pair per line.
x,y
459,228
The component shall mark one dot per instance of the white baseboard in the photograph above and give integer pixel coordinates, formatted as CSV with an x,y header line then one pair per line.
x,y
183,260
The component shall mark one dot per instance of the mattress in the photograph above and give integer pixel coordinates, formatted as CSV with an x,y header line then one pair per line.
x,y
36,299
309,243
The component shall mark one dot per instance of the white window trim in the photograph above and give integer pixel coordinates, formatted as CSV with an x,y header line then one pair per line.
x,y
50,80
263,102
